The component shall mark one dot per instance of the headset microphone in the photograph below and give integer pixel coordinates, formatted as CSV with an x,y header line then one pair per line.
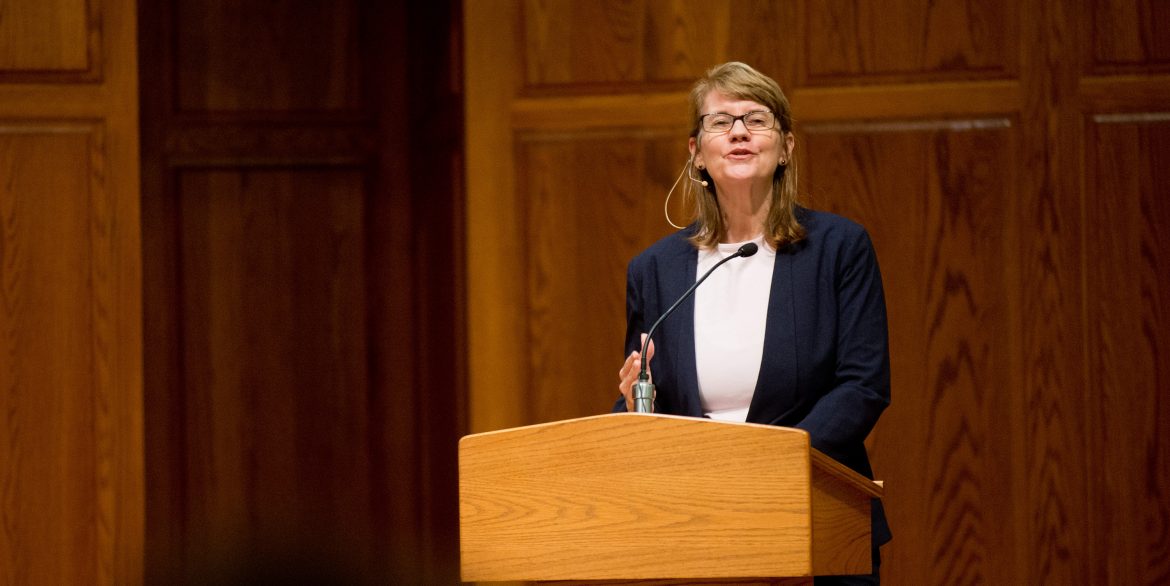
x,y
700,180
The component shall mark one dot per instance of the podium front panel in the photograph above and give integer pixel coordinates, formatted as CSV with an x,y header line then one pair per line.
x,y
635,496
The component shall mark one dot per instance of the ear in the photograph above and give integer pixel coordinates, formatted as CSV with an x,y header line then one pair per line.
x,y
789,144
693,146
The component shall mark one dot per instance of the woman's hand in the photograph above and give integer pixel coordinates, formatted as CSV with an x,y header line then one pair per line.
x,y
628,374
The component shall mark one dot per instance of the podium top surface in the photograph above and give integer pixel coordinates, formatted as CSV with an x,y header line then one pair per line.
x,y
598,423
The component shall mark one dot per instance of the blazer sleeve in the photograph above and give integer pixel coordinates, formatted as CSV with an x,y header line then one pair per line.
x,y
847,412
635,319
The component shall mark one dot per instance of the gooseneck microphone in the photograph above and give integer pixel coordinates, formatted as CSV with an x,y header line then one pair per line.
x,y
643,388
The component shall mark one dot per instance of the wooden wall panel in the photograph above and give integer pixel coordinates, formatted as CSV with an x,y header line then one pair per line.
x,y
52,492
939,213
47,36
577,301
762,34
1127,35
273,327
955,132
301,172
1127,301
266,58
909,40
71,444
558,51
644,43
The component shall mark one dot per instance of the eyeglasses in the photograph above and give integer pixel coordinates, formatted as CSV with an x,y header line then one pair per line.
x,y
755,121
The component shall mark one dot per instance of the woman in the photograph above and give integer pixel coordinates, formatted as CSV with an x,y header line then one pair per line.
x,y
794,335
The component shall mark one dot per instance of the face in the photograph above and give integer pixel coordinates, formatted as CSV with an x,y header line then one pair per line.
x,y
739,155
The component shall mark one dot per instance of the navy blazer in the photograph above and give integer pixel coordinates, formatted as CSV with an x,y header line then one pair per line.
x,y
825,367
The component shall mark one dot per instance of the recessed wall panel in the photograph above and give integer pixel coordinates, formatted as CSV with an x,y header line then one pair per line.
x,y
1127,260
937,200
847,41
273,321
262,59
1128,35
592,203
51,430
44,36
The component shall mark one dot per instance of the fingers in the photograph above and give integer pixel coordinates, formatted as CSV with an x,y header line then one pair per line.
x,y
628,373
626,377
649,351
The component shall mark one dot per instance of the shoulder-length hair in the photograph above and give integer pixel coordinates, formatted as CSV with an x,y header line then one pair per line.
x,y
742,82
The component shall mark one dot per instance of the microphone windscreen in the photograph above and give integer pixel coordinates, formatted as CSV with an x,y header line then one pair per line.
x,y
747,249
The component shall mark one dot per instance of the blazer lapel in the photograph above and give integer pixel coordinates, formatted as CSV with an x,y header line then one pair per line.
x,y
778,368
678,277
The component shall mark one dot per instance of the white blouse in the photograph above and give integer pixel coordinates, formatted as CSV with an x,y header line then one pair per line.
x,y
731,311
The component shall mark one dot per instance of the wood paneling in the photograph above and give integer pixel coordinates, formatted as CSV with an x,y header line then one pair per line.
x,y
264,59
47,36
645,43
52,494
577,301
938,206
274,370
847,41
71,496
1021,246
1127,425
302,269
1127,35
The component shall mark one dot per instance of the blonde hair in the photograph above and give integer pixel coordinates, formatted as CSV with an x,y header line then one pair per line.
x,y
742,82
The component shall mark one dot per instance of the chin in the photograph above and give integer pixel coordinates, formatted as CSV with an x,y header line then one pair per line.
x,y
753,175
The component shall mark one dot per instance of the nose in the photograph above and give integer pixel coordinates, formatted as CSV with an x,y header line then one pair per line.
x,y
739,129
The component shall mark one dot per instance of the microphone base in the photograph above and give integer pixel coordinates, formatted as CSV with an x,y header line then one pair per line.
x,y
643,397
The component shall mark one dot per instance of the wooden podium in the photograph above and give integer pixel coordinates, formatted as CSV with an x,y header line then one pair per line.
x,y
638,497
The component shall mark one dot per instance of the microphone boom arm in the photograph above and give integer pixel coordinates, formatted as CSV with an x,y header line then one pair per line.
x,y
643,388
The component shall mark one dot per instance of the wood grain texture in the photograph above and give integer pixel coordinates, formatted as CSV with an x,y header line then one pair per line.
x,y
1127,36
908,40
576,302
274,346
1050,342
46,37
892,102
634,41
283,144
495,224
957,133
570,47
938,212
263,59
1127,300
71,380
51,442
564,500
558,50
305,200
841,523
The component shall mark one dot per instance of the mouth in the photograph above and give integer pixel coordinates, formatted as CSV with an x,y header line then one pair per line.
x,y
739,154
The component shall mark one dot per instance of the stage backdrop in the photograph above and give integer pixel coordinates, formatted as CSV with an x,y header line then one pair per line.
x,y
1010,161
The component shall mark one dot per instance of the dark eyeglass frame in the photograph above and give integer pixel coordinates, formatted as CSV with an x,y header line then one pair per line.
x,y
742,118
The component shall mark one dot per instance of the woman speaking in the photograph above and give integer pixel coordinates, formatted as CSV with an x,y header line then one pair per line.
x,y
793,335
